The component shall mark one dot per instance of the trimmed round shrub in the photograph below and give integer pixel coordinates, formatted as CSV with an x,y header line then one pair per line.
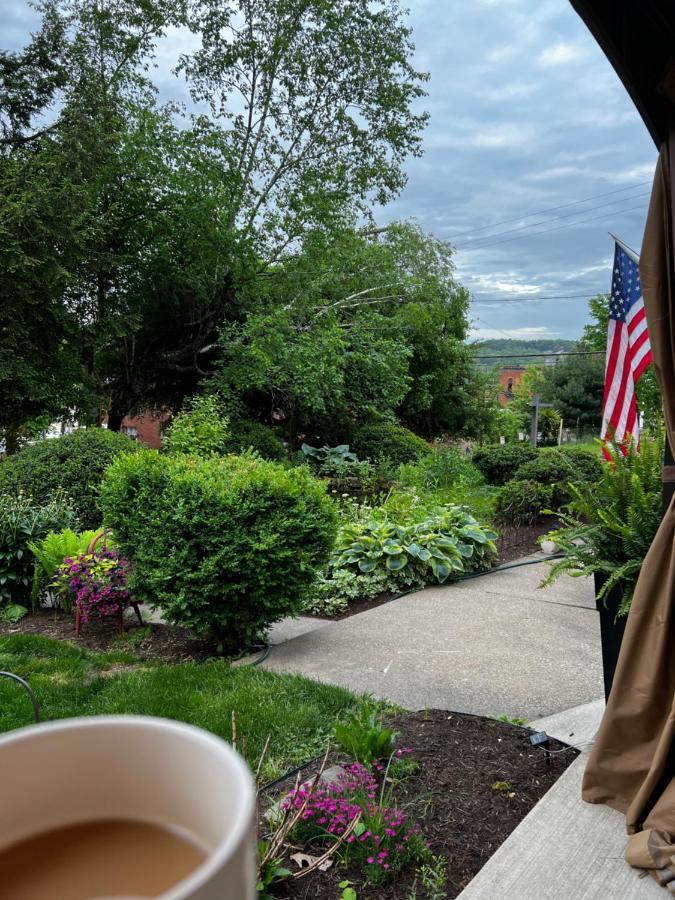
x,y
222,545
499,463
247,435
388,441
522,502
554,468
586,463
72,464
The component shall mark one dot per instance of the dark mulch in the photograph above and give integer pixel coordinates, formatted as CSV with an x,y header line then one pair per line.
x,y
159,643
515,541
464,819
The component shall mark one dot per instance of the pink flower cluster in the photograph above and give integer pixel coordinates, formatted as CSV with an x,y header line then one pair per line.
x,y
382,836
98,581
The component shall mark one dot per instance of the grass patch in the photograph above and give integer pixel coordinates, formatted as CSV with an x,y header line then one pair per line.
x,y
69,681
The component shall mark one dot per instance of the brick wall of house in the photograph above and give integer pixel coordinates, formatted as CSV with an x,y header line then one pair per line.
x,y
509,378
146,428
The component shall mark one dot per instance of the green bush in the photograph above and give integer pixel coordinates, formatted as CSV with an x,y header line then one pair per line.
x,y
499,463
388,441
522,502
587,463
559,470
227,545
72,464
441,469
247,435
201,428
448,543
23,522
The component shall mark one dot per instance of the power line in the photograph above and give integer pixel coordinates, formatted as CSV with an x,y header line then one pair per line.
x,y
482,242
549,353
532,299
555,228
541,212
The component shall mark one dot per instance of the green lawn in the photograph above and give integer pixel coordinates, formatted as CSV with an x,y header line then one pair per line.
x,y
69,681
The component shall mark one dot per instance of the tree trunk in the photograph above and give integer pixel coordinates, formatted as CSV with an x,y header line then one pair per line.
x,y
115,416
11,441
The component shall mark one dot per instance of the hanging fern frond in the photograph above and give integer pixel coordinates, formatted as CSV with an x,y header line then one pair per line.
x,y
609,524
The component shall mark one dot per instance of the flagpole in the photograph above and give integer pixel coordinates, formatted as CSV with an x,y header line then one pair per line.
x,y
628,250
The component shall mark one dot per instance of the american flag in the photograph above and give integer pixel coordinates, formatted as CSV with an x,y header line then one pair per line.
x,y
628,349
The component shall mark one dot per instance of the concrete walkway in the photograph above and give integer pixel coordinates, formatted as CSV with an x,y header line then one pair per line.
x,y
492,645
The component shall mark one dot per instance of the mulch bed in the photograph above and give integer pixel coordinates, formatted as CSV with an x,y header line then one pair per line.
x,y
154,642
464,819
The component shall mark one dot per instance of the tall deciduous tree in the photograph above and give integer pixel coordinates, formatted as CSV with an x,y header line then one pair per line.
x,y
307,116
355,326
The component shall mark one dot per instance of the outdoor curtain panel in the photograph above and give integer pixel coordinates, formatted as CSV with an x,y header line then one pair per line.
x,y
633,759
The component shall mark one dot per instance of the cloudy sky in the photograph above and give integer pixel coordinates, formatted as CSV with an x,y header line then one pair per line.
x,y
533,153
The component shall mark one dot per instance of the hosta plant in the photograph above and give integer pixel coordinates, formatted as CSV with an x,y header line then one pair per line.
x,y
449,542
321,456
610,523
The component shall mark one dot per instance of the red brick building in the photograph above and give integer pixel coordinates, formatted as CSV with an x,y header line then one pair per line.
x,y
146,428
509,377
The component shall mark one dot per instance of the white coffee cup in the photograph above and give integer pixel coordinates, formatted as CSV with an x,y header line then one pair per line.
x,y
150,770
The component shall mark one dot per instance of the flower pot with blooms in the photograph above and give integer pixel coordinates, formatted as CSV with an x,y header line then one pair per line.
x,y
97,582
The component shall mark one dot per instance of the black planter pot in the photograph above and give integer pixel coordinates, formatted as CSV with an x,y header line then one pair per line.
x,y
611,631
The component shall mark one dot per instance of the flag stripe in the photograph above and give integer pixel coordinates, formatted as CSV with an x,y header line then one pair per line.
x,y
628,351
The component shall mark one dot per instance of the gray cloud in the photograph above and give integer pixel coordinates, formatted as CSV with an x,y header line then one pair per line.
x,y
526,115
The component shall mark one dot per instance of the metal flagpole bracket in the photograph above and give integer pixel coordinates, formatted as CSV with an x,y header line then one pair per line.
x,y
28,689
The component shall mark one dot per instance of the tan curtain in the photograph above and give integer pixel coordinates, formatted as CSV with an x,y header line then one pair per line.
x,y
632,763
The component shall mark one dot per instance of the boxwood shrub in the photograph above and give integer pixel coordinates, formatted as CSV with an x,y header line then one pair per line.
x,y
499,463
222,545
72,464
247,435
522,502
388,441
557,469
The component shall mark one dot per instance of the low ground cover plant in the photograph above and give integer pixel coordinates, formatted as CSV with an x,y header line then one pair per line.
x,y
70,466
384,839
221,545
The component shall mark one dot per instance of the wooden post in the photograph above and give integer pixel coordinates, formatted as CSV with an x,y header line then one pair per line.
x,y
534,420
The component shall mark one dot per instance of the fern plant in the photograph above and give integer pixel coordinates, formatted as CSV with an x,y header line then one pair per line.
x,y
610,523
50,552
